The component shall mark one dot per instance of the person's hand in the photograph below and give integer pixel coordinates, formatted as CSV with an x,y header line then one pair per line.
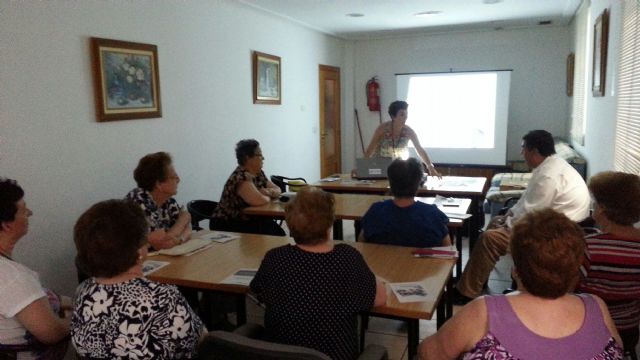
x,y
166,242
497,222
270,192
434,172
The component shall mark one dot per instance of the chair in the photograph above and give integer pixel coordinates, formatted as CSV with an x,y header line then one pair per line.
x,y
283,181
244,343
200,210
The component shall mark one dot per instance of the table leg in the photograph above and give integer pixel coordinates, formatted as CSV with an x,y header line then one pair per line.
x,y
458,237
441,311
413,334
241,309
337,230
476,213
449,300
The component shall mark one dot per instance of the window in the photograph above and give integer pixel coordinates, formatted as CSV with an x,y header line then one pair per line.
x,y
580,74
627,149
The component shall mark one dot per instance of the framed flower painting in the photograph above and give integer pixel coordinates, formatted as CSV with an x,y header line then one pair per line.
x,y
126,80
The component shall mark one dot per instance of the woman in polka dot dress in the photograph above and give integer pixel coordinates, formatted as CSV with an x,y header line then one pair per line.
x,y
313,290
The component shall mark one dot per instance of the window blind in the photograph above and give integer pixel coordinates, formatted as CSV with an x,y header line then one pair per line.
x,y
580,73
627,146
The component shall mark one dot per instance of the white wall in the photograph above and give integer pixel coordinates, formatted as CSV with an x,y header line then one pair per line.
x,y
537,57
600,119
51,143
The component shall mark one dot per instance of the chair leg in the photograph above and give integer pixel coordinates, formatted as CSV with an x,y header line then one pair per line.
x,y
364,324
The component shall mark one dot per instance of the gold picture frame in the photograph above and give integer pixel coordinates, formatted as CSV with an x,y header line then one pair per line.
x,y
571,59
266,79
126,80
600,43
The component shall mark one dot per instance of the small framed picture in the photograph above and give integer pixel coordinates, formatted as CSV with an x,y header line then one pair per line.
x,y
570,70
266,79
600,41
126,80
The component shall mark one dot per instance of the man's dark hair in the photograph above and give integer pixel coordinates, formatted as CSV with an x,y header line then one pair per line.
x,y
540,140
405,177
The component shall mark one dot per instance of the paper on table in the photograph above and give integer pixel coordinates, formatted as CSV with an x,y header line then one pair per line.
x,y
241,277
150,266
219,237
409,292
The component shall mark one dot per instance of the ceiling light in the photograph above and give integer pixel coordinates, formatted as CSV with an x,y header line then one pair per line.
x,y
355,15
490,2
427,13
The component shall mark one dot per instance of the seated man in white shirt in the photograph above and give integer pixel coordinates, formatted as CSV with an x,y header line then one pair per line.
x,y
554,184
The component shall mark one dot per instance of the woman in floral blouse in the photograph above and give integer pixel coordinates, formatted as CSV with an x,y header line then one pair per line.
x,y
157,180
118,313
247,186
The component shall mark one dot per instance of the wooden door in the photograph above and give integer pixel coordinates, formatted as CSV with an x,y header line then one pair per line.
x,y
329,120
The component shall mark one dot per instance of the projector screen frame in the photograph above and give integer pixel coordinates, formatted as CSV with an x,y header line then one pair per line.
x,y
496,155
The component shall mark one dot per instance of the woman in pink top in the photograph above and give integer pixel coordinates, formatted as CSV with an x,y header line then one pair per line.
x,y
541,321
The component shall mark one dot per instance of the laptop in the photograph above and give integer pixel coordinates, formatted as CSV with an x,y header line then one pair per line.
x,y
372,168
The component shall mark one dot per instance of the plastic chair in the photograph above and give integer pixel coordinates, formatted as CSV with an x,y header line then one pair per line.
x,y
200,210
244,343
283,181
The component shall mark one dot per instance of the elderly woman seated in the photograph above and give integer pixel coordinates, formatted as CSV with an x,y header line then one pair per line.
x,y
313,290
611,267
247,186
541,321
402,220
158,182
30,327
118,313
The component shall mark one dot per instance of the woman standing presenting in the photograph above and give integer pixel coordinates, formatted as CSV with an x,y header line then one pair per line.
x,y
391,139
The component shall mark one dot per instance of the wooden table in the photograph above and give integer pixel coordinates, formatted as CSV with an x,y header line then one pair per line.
x,y
453,186
208,268
354,206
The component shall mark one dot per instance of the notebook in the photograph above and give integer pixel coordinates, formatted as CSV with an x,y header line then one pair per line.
x,y
372,168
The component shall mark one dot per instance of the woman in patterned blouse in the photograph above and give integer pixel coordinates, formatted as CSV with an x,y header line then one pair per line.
x,y
118,313
543,320
247,186
157,180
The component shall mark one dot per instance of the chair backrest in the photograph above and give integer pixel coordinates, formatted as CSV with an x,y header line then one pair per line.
x,y
231,346
200,210
283,181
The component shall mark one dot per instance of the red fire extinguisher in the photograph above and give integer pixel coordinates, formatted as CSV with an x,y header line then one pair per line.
x,y
373,94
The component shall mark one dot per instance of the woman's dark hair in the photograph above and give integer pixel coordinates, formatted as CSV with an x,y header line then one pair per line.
x,y
108,236
618,194
10,194
245,149
396,106
547,249
309,215
405,177
540,140
151,169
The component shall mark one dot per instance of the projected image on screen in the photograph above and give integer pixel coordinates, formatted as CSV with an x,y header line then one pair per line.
x,y
453,111
459,118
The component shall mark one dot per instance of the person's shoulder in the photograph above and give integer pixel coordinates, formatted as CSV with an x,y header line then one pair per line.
x,y
136,194
346,250
12,270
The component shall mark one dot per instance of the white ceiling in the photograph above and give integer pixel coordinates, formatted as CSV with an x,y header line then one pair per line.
x,y
384,18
